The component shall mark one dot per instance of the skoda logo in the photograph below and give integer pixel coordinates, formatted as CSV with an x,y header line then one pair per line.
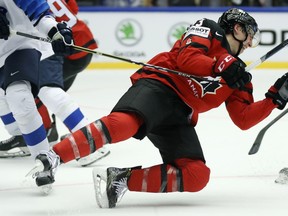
x,y
129,32
176,31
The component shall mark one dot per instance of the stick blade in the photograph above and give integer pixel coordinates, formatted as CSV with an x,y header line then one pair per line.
x,y
257,143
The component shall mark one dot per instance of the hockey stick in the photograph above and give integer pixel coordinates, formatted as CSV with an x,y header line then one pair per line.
x,y
83,49
248,68
256,145
267,55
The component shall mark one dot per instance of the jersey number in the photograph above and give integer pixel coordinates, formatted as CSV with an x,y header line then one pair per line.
x,y
60,10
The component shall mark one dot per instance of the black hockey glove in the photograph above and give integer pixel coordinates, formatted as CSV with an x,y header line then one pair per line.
x,y
4,25
62,39
232,70
279,92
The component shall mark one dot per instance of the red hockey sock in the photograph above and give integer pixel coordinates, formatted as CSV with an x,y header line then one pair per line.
x,y
187,175
42,109
121,126
78,144
112,128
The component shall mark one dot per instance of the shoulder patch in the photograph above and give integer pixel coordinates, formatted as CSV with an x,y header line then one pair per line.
x,y
197,30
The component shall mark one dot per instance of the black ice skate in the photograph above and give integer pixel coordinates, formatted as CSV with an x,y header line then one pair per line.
x,y
46,164
116,185
15,146
52,133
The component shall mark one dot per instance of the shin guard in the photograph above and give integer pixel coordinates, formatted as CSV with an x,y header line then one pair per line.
x,y
82,142
188,175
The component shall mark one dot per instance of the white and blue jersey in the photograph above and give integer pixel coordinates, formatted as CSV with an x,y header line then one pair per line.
x,y
45,79
24,16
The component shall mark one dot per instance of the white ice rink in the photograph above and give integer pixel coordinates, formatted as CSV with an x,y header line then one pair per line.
x,y
240,184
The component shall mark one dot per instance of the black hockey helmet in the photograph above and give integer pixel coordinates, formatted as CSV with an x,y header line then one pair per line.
x,y
233,16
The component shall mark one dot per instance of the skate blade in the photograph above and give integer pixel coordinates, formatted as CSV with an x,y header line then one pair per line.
x,y
92,158
30,177
15,152
100,182
281,181
283,176
46,189
34,172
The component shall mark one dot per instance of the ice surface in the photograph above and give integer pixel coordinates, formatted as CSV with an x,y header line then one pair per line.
x,y
240,184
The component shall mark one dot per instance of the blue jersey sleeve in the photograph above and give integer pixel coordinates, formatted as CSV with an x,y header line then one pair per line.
x,y
34,9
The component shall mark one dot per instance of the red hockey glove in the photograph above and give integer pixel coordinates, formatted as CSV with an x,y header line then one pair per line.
x,y
279,92
232,70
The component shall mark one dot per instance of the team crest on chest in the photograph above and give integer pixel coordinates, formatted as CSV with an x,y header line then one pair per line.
x,y
208,86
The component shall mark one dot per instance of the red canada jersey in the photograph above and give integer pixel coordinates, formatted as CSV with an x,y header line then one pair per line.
x,y
66,10
196,53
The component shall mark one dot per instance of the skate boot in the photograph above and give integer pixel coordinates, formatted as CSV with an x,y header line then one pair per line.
x,y
110,185
46,164
283,176
64,136
52,133
15,146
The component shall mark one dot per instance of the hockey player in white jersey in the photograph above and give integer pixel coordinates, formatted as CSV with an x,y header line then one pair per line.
x,y
52,95
19,62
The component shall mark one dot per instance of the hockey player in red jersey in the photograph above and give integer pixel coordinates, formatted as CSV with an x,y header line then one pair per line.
x,y
165,106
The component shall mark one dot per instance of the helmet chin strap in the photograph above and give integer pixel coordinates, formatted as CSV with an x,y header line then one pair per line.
x,y
240,47
241,43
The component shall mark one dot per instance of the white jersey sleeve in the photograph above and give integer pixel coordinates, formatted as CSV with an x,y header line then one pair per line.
x,y
38,12
22,18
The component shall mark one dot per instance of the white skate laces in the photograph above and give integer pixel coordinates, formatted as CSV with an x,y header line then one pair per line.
x,y
9,140
110,185
14,146
121,188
